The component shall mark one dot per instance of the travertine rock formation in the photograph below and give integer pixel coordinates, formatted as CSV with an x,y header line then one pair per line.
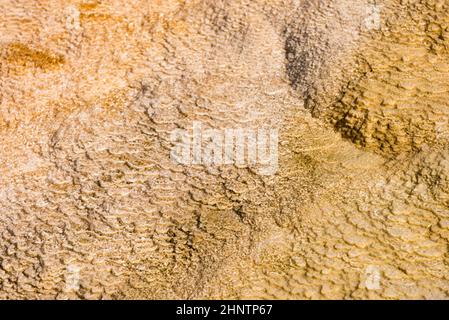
x,y
92,206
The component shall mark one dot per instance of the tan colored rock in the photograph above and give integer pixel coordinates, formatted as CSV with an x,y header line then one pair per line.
x,y
92,206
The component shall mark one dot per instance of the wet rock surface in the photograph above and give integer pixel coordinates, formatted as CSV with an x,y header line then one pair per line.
x,y
92,205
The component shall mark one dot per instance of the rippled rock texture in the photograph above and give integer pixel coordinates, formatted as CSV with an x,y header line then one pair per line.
x,y
92,205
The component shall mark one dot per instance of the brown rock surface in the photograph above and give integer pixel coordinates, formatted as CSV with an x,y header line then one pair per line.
x,y
92,206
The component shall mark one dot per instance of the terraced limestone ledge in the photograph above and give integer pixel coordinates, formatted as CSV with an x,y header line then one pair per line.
x,y
93,207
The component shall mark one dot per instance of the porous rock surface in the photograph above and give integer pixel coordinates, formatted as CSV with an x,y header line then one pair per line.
x,y
92,206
